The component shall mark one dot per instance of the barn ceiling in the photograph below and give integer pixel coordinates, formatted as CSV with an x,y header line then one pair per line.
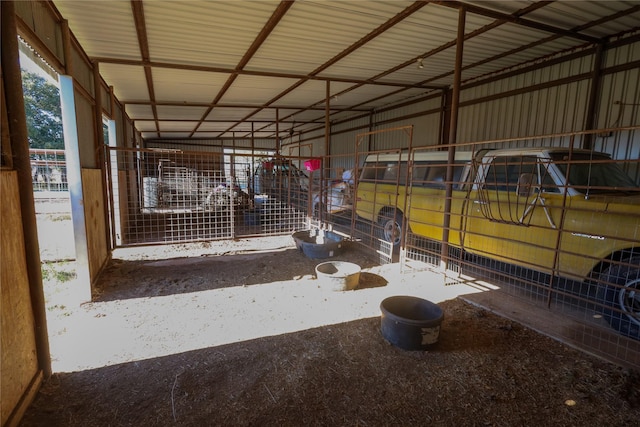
x,y
209,69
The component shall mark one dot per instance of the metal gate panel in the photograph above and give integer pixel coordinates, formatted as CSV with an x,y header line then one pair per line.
x,y
173,196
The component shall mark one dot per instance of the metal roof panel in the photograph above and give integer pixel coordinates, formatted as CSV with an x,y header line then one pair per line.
x,y
188,37
139,112
204,32
186,85
314,32
131,82
166,112
255,89
103,28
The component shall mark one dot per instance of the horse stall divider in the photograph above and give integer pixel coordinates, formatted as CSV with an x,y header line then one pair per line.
x,y
173,196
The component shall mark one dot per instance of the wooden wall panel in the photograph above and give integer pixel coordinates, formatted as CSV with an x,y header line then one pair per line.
x,y
95,220
19,363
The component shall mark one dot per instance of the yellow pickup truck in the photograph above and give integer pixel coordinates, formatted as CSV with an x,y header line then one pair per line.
x,y
571,213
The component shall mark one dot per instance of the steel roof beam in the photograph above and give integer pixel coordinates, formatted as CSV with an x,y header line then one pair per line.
x,y
518,20
271,24
120,61
408,11
141,30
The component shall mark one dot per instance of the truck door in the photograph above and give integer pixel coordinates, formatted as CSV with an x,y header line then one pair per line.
x,y
514,211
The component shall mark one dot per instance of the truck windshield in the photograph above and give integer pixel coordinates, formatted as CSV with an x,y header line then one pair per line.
x,y
594,173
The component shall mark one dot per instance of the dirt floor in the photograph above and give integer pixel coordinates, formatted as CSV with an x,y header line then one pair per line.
x,y
242,333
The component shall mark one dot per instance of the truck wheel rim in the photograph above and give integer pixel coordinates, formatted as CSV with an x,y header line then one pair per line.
x,y
392,232
629,300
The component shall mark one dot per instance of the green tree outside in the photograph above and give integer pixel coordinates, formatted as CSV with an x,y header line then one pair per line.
x,y
44,115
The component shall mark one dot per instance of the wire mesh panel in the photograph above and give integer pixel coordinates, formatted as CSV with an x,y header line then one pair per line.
x,y
379,201
555,225
168,196
280,192
48,170
547,222
333,189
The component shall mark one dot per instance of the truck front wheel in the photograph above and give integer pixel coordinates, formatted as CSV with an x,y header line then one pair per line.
x,y
620,295
391,228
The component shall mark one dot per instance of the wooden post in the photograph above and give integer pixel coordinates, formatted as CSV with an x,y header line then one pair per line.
x,y
12,79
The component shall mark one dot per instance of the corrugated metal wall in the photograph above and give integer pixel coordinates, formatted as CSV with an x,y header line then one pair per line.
x,y
620,107
538,102
552,100
620,97
424,116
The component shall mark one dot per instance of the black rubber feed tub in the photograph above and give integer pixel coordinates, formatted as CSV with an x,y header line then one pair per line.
x,y
317,245
410,323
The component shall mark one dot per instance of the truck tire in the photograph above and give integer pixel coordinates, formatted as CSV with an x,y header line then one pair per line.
x,y
622,301
391,228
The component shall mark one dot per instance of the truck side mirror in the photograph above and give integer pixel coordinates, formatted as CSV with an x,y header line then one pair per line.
x,y
526,186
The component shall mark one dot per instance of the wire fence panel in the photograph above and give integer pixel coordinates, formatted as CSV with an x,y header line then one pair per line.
x,y
547,222
555,225
170,196
48,170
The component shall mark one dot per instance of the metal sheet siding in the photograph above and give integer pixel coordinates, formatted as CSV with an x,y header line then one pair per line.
x,y
228,113
82,71
134,85
166,112
623,55
344,143
176,126
326,27
411,38
360,123
539,76
545,111
182,85
424,116
37,17
106,99
310,93
515,112
139,113
567,14
121,139
505,38
620,95
619,100
211,32
393,96
257,90
95,18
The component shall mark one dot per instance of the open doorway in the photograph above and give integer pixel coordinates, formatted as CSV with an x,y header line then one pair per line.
x,y
52,201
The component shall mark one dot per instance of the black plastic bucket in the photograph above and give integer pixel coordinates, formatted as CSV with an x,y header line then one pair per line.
x,y
410,323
